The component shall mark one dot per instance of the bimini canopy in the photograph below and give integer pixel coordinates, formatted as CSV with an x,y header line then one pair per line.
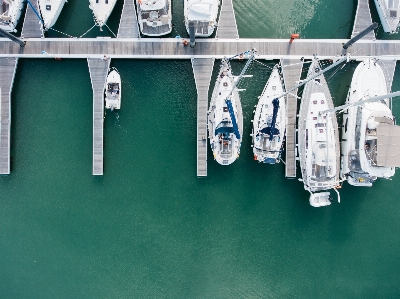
x,y
223,129
388,145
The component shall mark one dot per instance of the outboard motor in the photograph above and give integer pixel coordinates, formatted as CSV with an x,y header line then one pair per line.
x,y
191,34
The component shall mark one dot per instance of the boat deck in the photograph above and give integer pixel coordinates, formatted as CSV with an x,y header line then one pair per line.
x,y
227,27
32,26
8,68
310,88
202,70
363,20
98,69
128,24
291,70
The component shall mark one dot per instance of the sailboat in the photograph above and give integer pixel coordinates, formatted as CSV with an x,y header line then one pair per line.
x,y
388,11
113,90
370,138
10,12
318,140
101,10
50,11
203,13
154,17
269,121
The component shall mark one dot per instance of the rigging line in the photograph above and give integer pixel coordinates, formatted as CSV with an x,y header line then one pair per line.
x,y
61,32
88,30
110,30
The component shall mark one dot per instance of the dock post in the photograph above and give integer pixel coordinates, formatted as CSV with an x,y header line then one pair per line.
x,y
192,34
12,37
360,35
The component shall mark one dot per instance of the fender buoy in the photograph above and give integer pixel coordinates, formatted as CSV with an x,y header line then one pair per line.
x,y
255,158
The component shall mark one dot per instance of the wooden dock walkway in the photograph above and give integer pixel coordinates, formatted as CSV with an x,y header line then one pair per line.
x,y
170,48
128,24
227,27
202,70
291,70
98,69
388,67
32,26
363,20
8,68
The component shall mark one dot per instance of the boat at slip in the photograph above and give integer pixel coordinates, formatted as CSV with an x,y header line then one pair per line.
x,y
369,135
50,11
101,10
318,140
225,119
203,14
388,11
154,17
113,90
10,12
269,121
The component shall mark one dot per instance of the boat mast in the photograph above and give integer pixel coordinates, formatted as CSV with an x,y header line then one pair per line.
x,y
229,102
359,103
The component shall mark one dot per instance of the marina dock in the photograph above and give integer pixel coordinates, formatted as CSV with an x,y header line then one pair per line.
x,y
32,26
128,24
8,68
227,27
291,70
98,69
202,70
363,20
170,48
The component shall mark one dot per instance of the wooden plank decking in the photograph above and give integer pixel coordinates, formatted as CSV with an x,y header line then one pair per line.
x,y
202,69
170,48
388,67
291,70
8,68
363,20
98,70
32,26
227,27
128,24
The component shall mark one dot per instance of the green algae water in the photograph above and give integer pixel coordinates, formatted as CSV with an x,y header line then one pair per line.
x,y
149,228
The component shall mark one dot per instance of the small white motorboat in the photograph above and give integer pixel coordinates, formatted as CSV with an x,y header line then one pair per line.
x,y
203,13
113,90
154,17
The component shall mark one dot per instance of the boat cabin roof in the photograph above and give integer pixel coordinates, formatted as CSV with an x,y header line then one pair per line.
x,y
388,145
152,4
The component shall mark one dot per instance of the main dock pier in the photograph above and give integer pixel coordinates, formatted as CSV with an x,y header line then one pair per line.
x,y
128,44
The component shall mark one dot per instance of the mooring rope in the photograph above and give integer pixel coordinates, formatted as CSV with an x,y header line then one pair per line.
x,y
62,32
110,30
88,30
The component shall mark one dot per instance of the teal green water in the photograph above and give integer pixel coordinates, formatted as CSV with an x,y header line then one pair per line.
x,y
149,228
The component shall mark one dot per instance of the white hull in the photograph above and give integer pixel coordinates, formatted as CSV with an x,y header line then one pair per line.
x,y
154,17
113,91
359,134
50,11
203,13
265,150
102,10
224,142
389,13
10,13
318,136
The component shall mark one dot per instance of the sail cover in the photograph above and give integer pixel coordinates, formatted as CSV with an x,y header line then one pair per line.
x,y
388,145
233,118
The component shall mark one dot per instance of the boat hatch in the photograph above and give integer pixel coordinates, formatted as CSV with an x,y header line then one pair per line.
x,y
48,7
393,13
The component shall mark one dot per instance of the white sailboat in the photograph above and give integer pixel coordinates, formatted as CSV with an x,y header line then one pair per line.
x,y
113,90
225,119
389,11
101,10
154,17
10,12
318,140
203,13
269,121
369,137
50,11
